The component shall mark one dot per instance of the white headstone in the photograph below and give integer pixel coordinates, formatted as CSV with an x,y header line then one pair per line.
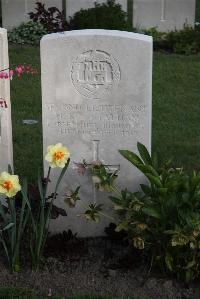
x,y
96,97
6,152
165,15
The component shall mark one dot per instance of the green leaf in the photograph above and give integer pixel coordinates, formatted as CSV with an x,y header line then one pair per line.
x,y
61,175
148,169
150,211
179,240
10,171
169,262
8,226
116,200
40,187
146,189
154,180
144,153
131,157
162,191
2,212
191,264
77,190
122,226
24,192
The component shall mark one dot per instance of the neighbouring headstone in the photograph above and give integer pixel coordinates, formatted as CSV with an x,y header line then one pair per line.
x,y
96,97
6,152
165,15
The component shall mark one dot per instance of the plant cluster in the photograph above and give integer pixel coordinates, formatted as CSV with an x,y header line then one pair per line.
x,y
18,71
28,210
28,33
185,41
163,219
107,15
52,19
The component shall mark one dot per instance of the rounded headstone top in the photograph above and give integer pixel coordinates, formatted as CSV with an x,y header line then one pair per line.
x,y
98,32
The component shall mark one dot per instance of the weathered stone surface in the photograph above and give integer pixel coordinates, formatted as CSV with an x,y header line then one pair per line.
x,y
165,15
96,97
6,152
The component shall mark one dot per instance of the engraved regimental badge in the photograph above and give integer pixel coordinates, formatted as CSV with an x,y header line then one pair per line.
x,y
94,74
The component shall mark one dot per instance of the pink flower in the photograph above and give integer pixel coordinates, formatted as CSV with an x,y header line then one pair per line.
x,y
19,70
11,73
3,75
6,76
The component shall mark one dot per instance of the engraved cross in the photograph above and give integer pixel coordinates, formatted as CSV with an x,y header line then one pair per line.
x,y
96,159
163,10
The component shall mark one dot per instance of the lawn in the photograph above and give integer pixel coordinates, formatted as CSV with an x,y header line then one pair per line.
x,y
176,110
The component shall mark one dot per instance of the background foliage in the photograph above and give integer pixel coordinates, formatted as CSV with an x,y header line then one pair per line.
x,y
107,15
29,33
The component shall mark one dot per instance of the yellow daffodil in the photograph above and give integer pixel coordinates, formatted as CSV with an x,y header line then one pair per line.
x,y
57,155
9,184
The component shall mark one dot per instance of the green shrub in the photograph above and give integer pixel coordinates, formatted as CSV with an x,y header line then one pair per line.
x,y
27,33
159,38
163,219
185,41
102,16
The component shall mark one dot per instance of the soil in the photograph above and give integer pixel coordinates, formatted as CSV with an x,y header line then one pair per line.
x,y
99,266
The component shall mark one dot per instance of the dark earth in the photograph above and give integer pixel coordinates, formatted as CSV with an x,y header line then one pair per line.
x,y
100,266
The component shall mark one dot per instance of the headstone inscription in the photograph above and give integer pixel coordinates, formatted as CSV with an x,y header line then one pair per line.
x,y
6,152
96,97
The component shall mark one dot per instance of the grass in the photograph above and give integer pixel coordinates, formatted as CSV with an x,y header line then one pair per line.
x,y
176,110
26,104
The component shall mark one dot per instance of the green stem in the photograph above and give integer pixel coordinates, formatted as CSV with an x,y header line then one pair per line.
x,y
107,216
47,182
115,190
